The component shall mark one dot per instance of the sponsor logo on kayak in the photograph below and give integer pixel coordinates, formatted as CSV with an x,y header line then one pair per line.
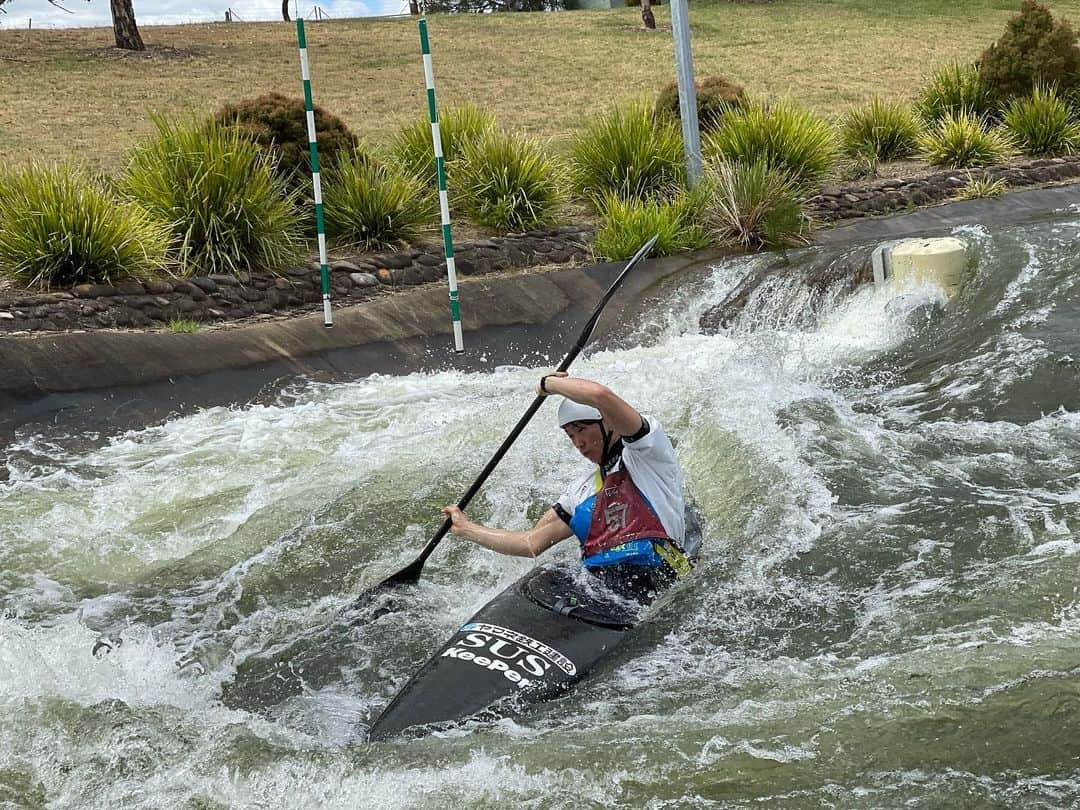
x,y
520,658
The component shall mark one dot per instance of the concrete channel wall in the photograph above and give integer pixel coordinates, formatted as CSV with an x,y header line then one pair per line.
x,y
114,379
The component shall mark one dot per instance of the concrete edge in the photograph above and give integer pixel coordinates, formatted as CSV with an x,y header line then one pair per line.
x,y
104,379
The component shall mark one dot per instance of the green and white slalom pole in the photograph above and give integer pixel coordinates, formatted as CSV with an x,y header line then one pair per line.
x,y
444,204
316,179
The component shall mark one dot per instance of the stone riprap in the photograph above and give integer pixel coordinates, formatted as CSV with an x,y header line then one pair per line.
x,y
888,196
135,304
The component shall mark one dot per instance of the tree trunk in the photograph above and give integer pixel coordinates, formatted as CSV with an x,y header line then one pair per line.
x,y
647,15
125,31
285,10
414,8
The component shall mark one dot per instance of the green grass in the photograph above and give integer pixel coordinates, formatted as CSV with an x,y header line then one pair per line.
x,y
626,224
61,227
508,182
754,204
626,151
372,204
781,135
1042,123
541,73
963,140
227,208
886,129
184,326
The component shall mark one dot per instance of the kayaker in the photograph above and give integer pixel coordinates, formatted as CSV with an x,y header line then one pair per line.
x,y
628,514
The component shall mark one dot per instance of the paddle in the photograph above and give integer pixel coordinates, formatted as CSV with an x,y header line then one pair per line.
x,y
411,573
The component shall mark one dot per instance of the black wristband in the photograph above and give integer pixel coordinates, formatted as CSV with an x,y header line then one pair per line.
x,y
543,383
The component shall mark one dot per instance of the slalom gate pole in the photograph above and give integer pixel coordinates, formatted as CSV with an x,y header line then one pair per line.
x,y
444,204
316,179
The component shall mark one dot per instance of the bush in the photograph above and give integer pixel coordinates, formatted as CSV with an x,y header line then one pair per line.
x,y
625,224
1034,50
457,126
953,89
507,182
217,189
278,123
370,204
962,140
715,96
1042,123
626,152
59,227
754,204
784,137
978,187
886,129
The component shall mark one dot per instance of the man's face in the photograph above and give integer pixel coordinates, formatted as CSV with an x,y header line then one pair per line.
x,y
588,439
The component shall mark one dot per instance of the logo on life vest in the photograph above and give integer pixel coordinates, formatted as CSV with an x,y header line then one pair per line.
x,y
520,658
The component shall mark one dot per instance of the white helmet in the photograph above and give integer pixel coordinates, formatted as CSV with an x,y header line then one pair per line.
x,y
570,411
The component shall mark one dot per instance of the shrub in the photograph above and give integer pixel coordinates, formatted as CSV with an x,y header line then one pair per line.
x,y
227,209
962,140
783,136
1042,123
715,96
278,123
368,203
859,165
457,127
754,204
886,129
625,224
1034,50
625,151
953,89
507,182
60,227
979,187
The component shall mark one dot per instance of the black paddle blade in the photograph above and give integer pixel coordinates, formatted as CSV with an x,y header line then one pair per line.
x,y
409,575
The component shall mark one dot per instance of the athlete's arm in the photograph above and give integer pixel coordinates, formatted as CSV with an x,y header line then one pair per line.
x,y
620,415
548,531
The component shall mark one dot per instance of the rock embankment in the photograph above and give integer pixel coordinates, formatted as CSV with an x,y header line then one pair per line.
x,y
222,297
888,196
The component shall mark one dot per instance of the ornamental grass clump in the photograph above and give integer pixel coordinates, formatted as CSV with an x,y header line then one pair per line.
x,y
1042,124
412,145
888,129
754,204
782,136
625,151
508,182
371,204
60,227
956,88
977,188
962,140
625,224
227,208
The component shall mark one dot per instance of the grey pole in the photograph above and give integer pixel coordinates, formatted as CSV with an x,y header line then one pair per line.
x,y
684,70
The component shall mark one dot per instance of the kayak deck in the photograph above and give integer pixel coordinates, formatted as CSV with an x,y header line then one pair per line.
x,y
532,641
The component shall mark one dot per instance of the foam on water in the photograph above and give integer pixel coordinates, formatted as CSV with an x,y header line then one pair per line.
x,y
887,552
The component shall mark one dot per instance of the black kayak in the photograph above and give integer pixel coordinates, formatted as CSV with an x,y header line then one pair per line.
x,y
534,640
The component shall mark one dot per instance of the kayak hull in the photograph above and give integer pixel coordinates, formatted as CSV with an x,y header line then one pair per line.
x,y
532,641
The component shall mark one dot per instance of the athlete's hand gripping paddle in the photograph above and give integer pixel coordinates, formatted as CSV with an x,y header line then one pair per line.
x,y
411,573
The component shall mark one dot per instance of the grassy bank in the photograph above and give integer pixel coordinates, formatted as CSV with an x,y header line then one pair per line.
x,y
67,94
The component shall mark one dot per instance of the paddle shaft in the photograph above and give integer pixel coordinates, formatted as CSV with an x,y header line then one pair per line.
x,y
411,573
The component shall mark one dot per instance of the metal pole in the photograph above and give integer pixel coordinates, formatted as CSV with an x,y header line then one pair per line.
x,y
444,204
316,179
684,70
